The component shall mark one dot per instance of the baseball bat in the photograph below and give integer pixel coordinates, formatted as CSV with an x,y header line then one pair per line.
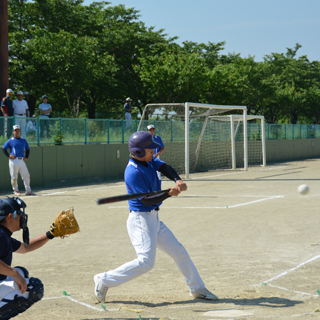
x,y
125,197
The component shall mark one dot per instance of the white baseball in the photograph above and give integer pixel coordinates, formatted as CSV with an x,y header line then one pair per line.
x,y
303,189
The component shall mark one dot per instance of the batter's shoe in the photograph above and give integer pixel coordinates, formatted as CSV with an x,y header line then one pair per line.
x,y
203,294
16,192
100,290
29,193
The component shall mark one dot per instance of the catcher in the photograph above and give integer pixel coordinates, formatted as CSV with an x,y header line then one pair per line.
x,y
18,291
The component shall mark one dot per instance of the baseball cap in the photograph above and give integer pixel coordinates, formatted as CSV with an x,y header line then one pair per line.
x,y
15,127
26,92
151,126
19,93
44,96
8,91
128,99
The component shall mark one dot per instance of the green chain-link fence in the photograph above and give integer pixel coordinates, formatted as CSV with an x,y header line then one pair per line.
x,y
43,131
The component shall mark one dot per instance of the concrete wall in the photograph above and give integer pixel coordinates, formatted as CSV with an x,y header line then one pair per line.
x,y
51,166
73,164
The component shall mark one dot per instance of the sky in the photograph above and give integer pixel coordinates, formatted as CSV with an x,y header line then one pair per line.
x,y
249,27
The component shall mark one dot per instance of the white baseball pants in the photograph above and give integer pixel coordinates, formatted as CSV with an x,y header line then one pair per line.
x,y
9,289
22,122
128,119
17,166
146,234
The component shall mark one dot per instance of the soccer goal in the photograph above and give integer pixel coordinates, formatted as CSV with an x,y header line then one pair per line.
x,y
198,137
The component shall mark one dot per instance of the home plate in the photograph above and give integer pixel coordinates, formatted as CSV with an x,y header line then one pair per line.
x,y
227,313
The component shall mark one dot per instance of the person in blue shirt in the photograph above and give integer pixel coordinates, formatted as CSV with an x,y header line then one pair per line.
x,y
19,153
158,150
128,109
146,231
45,112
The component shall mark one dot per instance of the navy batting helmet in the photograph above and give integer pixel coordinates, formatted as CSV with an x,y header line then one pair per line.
x,y
139,141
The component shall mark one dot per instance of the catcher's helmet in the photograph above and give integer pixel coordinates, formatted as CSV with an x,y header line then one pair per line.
x,y
139,141
16,206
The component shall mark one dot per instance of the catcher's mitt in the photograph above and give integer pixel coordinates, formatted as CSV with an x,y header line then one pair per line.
x,y
64,224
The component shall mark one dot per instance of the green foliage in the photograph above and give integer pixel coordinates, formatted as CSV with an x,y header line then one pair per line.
x,y
58,135
88,59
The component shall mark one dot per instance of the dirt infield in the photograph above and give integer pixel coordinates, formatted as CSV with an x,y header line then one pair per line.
x,y
253,238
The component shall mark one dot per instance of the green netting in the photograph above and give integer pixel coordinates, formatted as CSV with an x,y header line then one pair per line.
x,y
42,131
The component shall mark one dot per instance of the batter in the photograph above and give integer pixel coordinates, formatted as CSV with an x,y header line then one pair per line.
x,y
146,231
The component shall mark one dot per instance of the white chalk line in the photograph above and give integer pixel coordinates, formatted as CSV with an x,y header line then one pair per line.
x,y
238,172
299,292
78,190
282,274
226,207
101,309
79,302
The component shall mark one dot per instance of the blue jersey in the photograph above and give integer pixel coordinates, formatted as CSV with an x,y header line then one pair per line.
x,y
8,245
16,146
139,178
158,140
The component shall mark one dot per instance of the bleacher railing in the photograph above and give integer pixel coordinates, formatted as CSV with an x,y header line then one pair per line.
x,y
48,131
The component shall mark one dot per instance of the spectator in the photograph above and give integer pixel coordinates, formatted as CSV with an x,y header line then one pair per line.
x,y
294,118
45,111
19,153
128,117
31,100
20,108
7,110
159,149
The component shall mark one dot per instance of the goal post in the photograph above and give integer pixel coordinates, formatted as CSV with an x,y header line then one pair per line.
x,y
212,107
196,141
235,118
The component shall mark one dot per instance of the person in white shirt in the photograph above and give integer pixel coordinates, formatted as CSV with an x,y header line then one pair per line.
x,y
21,112
45,111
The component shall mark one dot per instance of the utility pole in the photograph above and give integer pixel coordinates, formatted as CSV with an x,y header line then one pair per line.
x,y
4,55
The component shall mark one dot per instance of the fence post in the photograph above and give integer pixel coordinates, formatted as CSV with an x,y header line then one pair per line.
x,y
60,122
85,130
108,129
122,130
171,130
277,131
300,131
285,131
293,131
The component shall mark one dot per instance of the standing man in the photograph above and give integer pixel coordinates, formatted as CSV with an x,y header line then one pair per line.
x,y
21,111
128,116
31,102
160,149
146,231
7,110
45,111
19,153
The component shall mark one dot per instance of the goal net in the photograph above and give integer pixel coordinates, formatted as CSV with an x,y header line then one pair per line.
x,y
197,137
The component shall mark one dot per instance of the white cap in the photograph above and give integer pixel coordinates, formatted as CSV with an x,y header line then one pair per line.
x,y
151,126
15,127
8,91
26,92
19,93
44,96
128,99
